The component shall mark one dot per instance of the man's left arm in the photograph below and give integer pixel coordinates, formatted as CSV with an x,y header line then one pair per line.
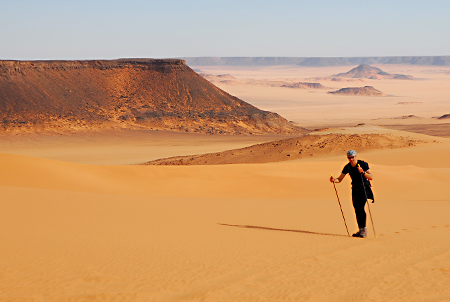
x,y
367,174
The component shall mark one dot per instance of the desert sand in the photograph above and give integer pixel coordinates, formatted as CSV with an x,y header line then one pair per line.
x,y
81,221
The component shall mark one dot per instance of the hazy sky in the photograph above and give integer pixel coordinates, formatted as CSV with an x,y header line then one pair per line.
x,y
107,29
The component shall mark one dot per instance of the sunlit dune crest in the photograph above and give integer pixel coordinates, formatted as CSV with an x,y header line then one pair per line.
x,y
294,148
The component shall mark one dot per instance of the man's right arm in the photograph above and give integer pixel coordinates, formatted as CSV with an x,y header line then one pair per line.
x,y
339,179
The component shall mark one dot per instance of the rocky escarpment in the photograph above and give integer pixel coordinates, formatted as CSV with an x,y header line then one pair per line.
x,y
364,91
137,94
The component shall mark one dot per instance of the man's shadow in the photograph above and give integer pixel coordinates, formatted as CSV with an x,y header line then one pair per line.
x,y
282,230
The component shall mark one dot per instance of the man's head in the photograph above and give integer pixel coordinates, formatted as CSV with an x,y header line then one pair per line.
x,y
351,155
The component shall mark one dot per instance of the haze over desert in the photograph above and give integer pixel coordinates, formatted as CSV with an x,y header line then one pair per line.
x,y
256,218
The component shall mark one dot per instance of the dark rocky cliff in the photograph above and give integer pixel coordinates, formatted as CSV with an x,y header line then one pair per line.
x,y
138,94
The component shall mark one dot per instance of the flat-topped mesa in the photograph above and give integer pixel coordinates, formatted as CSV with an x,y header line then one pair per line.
x,y
127,93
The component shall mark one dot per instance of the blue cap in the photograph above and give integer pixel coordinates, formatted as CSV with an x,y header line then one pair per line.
x,y
351,153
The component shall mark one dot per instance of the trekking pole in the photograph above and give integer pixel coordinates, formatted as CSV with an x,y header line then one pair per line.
x,y
368,206
340,207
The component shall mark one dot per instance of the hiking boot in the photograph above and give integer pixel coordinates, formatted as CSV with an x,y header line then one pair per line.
x,y
361,233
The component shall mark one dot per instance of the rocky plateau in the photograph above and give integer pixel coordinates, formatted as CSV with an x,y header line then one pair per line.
x,y
70,96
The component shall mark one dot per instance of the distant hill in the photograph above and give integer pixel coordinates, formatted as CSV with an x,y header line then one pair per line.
x,y
444,117
316,61
406,117
62,96
365,71
364,91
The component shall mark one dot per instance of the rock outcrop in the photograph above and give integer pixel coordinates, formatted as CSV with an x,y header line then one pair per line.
x,y
364,91
130,93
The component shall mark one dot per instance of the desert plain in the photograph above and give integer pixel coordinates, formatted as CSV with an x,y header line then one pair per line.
x,y
81,220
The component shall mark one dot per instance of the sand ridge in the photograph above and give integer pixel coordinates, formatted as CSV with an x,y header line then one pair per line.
x,y
295,148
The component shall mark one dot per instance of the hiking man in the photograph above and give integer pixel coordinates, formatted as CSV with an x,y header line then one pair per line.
x,y
359,172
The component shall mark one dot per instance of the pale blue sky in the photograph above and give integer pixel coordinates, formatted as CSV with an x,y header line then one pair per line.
x,y
101,29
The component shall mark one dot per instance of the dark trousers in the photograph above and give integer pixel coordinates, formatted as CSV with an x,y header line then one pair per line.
x,y
359,202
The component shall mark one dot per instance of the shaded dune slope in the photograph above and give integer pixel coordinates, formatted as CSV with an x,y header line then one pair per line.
x,y
137,94
294,148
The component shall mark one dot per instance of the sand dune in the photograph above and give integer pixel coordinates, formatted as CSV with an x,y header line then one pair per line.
x,y
263,232
156,233
124,147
